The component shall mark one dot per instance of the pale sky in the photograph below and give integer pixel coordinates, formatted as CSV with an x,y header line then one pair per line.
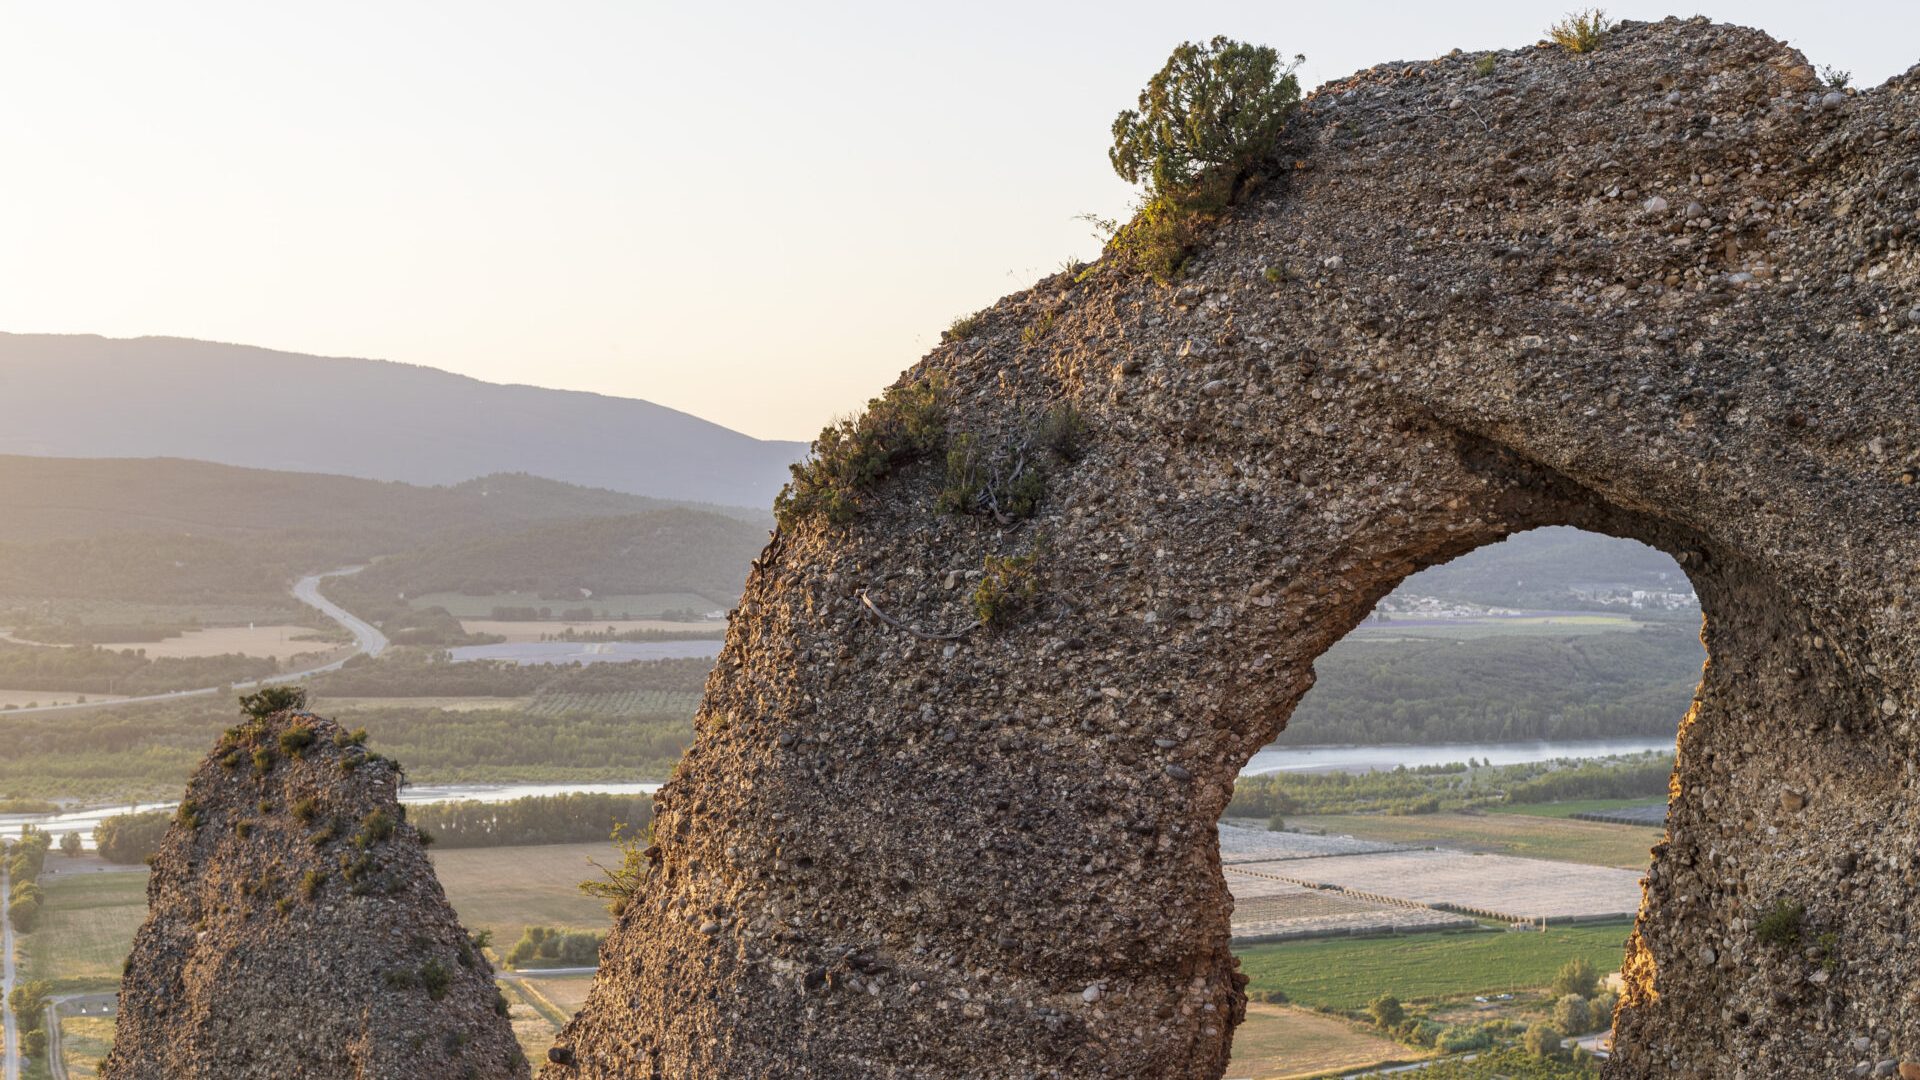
x,y
758,212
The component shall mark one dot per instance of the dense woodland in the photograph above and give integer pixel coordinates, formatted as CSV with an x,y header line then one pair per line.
x,y
1498,689
129,672
423,673
665,551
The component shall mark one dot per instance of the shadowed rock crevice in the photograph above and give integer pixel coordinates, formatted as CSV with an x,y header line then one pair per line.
x,y
295,929
1665,290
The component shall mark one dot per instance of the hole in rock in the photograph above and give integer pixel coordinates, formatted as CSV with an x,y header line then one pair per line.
x,y
1462,806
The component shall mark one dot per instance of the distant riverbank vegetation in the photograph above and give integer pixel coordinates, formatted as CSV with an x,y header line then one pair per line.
x,y
88,669
569,724
569,818
1431,789
1500,689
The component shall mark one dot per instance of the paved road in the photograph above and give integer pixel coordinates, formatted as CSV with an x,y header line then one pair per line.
x,y
9,1029
366,639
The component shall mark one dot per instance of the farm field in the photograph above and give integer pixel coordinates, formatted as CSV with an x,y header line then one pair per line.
x,y
1573,806
1526,835
1493,886
541,1007
507,889
87,923
1277,1042
84,1041
1345,973
23,698
1267,908
277,642
638,606
519,632
616,703
337,707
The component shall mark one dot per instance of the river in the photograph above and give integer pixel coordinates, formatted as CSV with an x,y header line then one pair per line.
x,y
1271,759
1382,758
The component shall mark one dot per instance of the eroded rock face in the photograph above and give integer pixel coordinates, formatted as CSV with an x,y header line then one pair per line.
x,y
1665,291
295,929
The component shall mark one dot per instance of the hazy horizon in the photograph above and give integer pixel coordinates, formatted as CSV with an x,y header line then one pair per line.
x,y
758,216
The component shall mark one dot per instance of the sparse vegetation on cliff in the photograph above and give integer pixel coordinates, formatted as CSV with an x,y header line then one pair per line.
x,y
850,457
1581,31
1207,128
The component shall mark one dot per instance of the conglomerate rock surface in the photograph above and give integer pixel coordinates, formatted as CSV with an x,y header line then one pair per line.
x,y
1666,290
295,929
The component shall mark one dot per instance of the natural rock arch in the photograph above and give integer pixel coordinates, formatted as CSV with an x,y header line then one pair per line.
x,y
1665,291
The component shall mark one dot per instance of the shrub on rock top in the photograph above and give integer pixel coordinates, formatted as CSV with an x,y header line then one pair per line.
x,y
1207,121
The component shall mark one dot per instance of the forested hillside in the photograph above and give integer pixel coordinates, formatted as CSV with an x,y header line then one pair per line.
x,y
189,532
1542,569
1492,689
664,551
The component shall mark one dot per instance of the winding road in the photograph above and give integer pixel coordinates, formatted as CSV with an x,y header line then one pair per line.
x,y
367,640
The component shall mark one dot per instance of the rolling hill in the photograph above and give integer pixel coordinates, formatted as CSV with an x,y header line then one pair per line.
x,y
188,531
89,396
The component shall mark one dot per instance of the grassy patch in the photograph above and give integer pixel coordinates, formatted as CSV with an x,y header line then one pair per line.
x,y
508,889
1573,806
86,929
1553,838
85,1041
1277,1041
1343,974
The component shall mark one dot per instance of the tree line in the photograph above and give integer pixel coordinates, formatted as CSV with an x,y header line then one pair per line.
x,y
419,673
1429,789
570,818
1500,689
89,669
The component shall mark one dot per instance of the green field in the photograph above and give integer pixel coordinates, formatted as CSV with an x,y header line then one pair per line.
x,y
1344,974
1531,836
1571,807
617,703
507,889
85,1040
637,606
86,927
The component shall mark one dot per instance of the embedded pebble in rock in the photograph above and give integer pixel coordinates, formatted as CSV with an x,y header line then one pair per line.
x,y
925,878
295,930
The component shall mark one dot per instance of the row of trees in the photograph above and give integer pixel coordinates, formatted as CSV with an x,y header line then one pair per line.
x,y
538,819
25,857
131,838
546,947
1431,788
29,1001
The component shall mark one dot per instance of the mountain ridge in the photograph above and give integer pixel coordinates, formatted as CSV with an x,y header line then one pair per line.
x,y
380,419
